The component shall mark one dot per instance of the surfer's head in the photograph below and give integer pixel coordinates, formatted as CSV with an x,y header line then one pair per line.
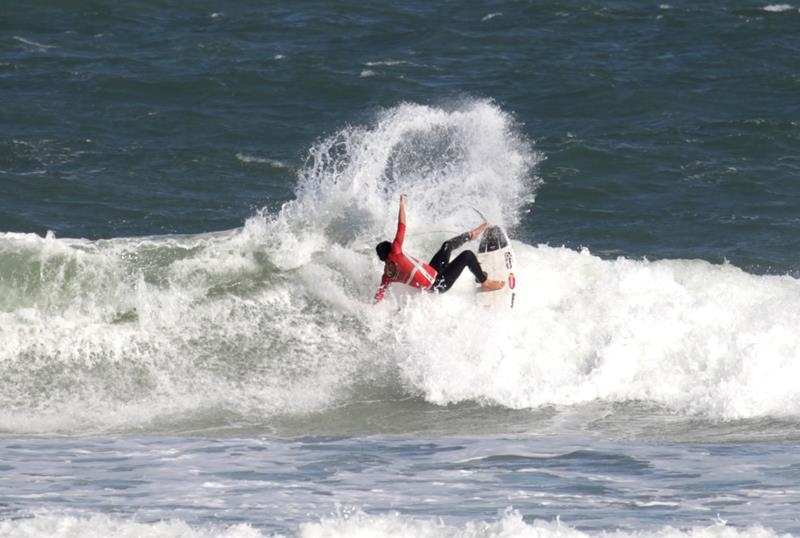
x,y
384,248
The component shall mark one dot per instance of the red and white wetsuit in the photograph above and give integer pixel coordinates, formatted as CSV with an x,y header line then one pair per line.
x,y
402,268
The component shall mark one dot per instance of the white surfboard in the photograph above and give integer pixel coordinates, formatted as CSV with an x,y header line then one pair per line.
x,y
498,261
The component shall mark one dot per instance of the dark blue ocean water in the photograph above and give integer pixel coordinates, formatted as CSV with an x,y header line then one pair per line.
x,y
190,193
669,130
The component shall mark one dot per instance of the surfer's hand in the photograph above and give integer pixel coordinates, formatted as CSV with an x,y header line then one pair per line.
x,y
478,231
403,198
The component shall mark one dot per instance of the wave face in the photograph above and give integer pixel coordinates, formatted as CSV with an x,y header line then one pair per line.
x,y
275,319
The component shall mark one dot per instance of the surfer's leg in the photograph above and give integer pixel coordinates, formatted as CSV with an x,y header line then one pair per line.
x,y
442,256
448,276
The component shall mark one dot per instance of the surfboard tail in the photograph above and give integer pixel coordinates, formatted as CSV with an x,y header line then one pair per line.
x,y
493,238
499,263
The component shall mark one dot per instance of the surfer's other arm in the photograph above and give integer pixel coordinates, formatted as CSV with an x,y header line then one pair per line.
x,y
382,289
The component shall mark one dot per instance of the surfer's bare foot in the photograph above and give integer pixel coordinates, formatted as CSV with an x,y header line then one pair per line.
x,y
478,231
492,285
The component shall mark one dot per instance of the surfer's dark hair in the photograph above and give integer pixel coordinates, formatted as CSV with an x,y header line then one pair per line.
x,y
384,248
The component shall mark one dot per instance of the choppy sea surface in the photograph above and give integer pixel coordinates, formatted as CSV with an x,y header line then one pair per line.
x,y
190,195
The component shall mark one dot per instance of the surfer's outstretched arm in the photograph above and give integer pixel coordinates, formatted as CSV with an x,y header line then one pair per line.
x,y
397,244
401,215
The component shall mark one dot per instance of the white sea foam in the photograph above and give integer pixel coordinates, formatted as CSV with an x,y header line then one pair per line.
x,y
383,63
32,43
778,8
509,524
691,336
275,163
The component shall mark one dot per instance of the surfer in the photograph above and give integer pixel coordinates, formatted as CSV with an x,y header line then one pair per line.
x,y
438,275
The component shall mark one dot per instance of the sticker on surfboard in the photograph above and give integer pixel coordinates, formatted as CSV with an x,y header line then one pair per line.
x,y
498,261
